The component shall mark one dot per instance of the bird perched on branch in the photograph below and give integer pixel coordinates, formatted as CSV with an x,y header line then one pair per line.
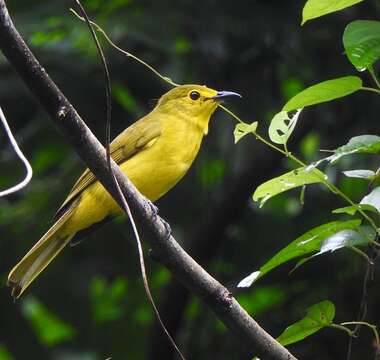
x,y
155,153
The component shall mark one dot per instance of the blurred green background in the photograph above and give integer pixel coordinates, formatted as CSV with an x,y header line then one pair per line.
x,y
90,304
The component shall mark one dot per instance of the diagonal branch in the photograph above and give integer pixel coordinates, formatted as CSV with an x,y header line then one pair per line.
x,y
189,272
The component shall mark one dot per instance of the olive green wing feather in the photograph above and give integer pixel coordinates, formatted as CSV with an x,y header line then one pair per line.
x,y
137,137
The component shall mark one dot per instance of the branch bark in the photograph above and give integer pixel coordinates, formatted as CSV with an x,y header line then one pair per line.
x,y
188,271
174,297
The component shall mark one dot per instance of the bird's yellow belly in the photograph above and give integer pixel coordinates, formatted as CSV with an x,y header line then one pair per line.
x,y
153,176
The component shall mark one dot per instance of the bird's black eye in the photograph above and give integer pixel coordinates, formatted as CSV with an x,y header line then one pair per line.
x,y
194,95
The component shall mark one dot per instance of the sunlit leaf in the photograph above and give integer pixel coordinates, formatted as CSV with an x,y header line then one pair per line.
x,y
364,235
316,8
49,329
308,243
373,198
347,238
360,174
242,129
351,210
317,317
282,126
361,40
324,91
357,144
285,182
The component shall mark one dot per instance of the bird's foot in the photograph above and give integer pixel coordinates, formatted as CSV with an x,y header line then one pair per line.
x,y
153,208
168,229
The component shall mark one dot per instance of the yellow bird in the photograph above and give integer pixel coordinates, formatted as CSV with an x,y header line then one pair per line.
x,y
155,153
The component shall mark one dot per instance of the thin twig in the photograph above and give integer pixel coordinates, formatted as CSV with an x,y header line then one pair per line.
x,y
28,167
151,68
122,197
371,326
170,253
329,185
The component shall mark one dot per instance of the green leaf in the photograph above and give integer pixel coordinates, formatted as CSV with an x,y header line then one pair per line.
x,y
282,126
317,317
316,8
359,144
351,210
360,174
49,329
243,129
347,238
288,181
373,198
306,244
343,239
361,40
324,91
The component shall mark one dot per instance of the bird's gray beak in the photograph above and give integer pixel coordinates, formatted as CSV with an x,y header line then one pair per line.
x,y
225,94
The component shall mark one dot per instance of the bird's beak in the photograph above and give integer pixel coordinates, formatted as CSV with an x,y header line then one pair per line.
x,y
225,94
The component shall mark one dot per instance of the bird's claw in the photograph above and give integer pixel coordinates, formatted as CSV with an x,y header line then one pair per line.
x,y
168,229
153,208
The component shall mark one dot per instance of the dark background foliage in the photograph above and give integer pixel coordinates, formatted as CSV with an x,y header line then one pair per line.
x,y
90,303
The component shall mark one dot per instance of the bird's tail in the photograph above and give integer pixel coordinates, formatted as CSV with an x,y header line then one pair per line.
x,y
38,257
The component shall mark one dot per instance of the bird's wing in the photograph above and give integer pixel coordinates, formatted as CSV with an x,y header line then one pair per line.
x,y
137,137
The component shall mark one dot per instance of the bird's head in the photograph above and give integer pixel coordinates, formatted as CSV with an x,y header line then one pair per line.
x,y
195,102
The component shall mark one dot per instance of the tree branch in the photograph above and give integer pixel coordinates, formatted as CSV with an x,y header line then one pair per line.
x,y
189,272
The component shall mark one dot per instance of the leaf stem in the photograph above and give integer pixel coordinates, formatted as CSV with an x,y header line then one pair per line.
x,y
371,326
329,185
229,112
151,68
361,253
370,89
374,77
319,174
343,328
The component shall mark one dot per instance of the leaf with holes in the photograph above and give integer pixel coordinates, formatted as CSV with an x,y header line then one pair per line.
x,y
361,40
288,181
282,126
324,91
306,244
317,317
317,8
243,129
